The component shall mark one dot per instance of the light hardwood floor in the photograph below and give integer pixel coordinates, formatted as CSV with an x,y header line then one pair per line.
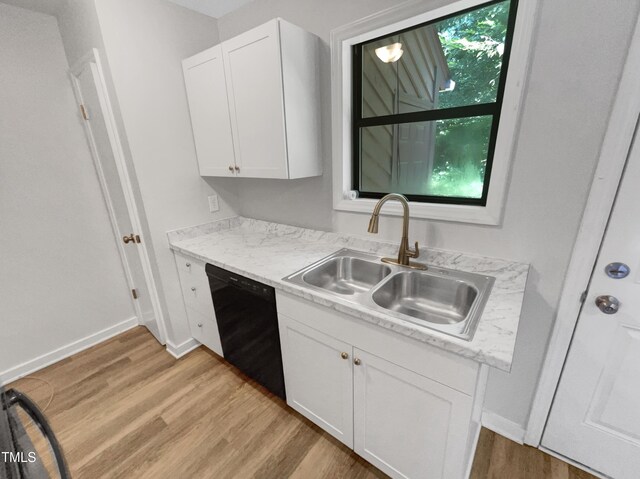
x,y
126,408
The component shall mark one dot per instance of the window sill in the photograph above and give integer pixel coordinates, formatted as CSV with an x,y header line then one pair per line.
x,y
484,215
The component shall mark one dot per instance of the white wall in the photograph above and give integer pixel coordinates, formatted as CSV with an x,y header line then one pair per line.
x,y
145,42
580,47
61,276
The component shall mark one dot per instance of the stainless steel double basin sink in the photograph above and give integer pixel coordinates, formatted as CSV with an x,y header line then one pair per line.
x,y
446,300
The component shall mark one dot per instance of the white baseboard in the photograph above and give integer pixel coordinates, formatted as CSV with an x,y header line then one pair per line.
x,y
59,354
503,426
182,348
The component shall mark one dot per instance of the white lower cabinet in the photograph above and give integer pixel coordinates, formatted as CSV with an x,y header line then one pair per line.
x,y
198,302
372,393
405,424
318,378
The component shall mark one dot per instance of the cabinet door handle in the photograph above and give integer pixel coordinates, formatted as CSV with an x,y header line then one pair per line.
x,y
344,355
238,169
231,168
188,265
357,361
193,288
199,325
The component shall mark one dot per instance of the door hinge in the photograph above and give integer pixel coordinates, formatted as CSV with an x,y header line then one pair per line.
x,y
134,293
84,112
583,296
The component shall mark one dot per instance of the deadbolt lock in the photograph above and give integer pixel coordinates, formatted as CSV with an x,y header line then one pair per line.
x,y
617,270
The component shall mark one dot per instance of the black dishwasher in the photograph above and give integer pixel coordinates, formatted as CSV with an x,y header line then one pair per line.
x,y
248,326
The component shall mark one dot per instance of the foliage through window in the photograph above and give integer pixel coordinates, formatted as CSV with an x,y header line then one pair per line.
x,y
426,106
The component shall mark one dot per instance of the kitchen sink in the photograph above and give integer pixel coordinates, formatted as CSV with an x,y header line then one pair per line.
x,y
435,299
346,275
446,300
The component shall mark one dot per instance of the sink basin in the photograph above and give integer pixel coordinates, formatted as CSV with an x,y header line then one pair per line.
x,y
430,298
446,300
346,275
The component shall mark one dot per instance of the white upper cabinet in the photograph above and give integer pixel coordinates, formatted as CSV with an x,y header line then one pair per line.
x,y
271,117
207,95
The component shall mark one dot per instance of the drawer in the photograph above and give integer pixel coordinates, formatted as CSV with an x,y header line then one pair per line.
x,y
198,297
204,329
195,284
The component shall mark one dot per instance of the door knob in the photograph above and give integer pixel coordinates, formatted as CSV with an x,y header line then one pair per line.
x,y
131,239
608,304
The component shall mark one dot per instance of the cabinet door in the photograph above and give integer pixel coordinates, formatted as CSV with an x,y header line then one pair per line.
x,y
207,94
405,424
254,78
318,378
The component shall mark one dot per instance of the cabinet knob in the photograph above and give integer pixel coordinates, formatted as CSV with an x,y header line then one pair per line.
x,y
231,168
188,265
238,169
199,325
344,355
357,362
193,288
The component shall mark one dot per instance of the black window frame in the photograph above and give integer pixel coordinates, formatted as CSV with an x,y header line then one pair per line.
x,y
485,109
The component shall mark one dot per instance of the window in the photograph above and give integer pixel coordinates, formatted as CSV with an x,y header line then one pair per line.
x,y
426,103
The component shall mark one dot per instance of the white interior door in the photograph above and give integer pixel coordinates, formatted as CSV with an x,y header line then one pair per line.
x,y
595,417
87,82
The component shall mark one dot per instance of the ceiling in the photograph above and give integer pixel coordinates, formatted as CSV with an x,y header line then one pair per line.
x,y
213,8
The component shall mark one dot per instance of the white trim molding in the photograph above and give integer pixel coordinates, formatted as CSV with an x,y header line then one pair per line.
x,y
503,426
397,18
613,156
177,351
64,352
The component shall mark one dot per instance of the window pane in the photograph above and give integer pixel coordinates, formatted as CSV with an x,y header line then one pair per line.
x,y
450,63
436,158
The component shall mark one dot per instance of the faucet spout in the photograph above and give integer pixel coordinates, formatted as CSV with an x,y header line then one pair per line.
x,y
373,223
404,253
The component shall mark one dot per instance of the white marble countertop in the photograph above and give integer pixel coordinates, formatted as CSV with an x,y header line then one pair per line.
x,y
267,252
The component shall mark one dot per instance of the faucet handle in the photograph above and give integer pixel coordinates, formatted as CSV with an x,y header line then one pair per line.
x,y
413,253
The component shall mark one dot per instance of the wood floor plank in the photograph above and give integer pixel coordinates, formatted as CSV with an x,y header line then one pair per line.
x,y
127,409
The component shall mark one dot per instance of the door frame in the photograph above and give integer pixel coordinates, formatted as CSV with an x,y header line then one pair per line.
x,y
93,56
612,159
